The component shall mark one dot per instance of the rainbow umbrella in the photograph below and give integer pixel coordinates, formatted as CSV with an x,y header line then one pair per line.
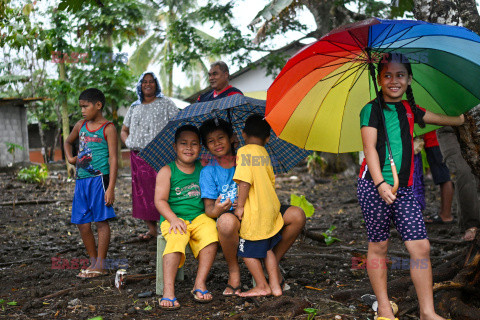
x,y
315,101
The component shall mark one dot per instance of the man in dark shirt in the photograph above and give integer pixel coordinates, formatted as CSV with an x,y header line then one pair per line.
x,y
218,78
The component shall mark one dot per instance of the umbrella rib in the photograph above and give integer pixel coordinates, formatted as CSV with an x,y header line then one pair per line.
x,y
363,70
390,29
378,36
341,72
392,42
345,103
337,45
403,45
357,41
352,68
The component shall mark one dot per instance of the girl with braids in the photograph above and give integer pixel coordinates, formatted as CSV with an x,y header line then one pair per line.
x,y
379,205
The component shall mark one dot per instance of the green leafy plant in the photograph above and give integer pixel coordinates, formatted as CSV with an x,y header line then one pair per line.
x,y
329,239
147,308
11,303
33,174
302,202
315,163
12,147
97,318
312,312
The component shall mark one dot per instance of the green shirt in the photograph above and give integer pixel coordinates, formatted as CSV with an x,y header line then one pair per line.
x,y
185,198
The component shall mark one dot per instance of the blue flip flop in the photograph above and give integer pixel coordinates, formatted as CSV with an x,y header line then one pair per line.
x,y
199,300
173,307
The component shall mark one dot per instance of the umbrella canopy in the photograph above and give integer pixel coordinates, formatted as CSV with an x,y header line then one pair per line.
x,y
315,101
234,109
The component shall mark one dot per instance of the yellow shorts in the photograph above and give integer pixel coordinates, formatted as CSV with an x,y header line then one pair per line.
x,y
201,232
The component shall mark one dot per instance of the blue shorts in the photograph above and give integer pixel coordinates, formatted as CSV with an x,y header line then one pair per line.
x,y
404,211
440,173
89,201
257,249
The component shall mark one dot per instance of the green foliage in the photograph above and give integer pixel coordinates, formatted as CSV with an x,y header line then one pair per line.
x,y
12,147
312,312
11,303
329,239
316,165
97,318
302,202
33,174
404,7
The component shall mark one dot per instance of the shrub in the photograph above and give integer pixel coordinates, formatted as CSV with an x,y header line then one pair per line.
x,y
33,174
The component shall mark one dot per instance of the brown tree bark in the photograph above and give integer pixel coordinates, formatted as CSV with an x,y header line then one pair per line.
x,y
457,291
461,13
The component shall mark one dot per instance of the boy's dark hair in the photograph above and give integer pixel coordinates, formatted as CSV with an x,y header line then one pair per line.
x,y
211,125
93,95
187,127
257,126
403,59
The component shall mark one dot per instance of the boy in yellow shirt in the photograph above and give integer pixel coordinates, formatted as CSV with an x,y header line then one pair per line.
x,y
258,208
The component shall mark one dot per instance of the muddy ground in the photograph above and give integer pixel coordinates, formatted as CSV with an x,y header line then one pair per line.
x,y
38,243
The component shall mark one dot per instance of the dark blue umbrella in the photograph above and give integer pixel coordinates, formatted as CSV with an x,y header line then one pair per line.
x,y
234,109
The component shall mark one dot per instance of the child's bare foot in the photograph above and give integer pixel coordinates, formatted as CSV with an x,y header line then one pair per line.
x,y
276,290
256,292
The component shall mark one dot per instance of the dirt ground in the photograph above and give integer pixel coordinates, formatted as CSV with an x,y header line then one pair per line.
x,y
38,244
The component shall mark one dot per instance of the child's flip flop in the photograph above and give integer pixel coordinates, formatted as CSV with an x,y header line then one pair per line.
x,y
200,300
173,307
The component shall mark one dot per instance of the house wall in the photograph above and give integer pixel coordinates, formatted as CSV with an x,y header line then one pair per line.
x,y
253,80
13,129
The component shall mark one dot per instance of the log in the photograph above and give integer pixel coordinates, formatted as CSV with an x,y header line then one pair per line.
x,y
26,202
56,294
138,277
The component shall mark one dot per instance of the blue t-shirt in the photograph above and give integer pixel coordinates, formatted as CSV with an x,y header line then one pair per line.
x,y
217,181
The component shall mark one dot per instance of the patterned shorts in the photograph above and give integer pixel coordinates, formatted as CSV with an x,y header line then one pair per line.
x,y
404,212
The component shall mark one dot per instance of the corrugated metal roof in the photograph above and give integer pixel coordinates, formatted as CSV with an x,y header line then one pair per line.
x,y
19,101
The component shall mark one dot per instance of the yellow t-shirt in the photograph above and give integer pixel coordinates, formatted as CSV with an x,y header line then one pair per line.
x,y
261,217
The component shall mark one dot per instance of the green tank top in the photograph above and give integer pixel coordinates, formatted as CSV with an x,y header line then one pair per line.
x,y
92,158
185,198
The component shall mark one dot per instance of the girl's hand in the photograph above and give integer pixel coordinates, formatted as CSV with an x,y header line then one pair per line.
x,y
385,191
234,205
177,224
461,119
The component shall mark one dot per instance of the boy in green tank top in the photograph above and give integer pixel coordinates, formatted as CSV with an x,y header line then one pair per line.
x,y
183,218
96,175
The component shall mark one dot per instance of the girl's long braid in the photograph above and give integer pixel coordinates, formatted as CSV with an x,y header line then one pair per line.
x,y
413,105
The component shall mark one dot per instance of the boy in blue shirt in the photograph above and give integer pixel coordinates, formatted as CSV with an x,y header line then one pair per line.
x,y
96,174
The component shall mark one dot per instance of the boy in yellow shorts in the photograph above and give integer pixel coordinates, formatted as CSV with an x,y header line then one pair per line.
x,y
183,221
